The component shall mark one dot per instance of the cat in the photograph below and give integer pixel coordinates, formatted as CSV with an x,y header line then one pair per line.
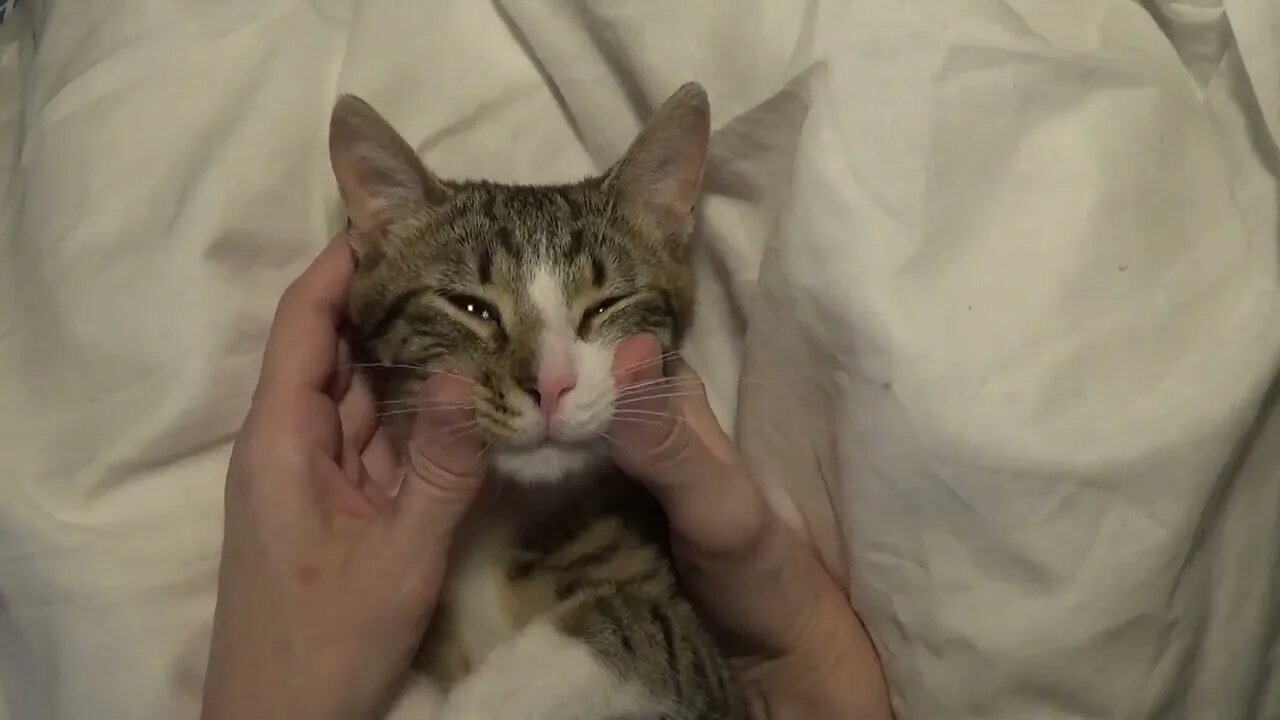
x,y
561,601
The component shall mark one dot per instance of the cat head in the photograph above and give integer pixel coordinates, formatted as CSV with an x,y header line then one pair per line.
x,y
524,290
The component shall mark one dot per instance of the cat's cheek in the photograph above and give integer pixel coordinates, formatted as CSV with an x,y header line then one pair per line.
x,y
636,359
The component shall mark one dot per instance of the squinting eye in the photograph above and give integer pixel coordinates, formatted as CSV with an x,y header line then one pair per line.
x,y
603,306
595,311
475,307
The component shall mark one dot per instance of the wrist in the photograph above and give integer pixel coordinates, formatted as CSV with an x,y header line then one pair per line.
x,y
832,671
272,701
263,678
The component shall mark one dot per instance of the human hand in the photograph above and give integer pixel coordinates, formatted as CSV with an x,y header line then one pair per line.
x,y
332,555
805,652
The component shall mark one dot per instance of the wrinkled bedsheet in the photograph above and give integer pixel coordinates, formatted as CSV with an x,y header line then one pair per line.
x,y
989,298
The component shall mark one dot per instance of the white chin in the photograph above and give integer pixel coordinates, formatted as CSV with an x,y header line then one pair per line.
x,y
548,463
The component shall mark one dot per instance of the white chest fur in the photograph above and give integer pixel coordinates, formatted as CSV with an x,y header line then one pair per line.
x,y
536,668
476,591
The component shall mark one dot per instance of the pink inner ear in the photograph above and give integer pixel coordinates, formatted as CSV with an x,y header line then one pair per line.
x,y
636,359
371,191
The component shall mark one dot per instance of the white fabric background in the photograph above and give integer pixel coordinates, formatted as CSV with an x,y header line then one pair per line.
x,y
989,288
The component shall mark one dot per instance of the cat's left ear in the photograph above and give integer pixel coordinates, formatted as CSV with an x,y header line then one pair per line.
x,y
379,175
657,181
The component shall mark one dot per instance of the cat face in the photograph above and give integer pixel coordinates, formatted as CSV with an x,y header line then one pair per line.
x,y
523,290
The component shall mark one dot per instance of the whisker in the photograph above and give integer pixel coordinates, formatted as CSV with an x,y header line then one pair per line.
x,y
420,400
401,411
632,411
450,428
650,361
415,445
657,392
381,365
405,366
405,401
641,421
634,388
446,373
458,436
419,409
437,404
433,432
655,396
664,379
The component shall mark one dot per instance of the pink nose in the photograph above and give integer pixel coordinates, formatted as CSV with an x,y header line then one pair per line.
x,y
552,387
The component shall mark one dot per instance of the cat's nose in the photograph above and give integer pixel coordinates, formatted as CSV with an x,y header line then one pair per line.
x,y
551,389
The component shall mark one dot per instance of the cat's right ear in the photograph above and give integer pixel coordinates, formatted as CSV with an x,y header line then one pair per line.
x,y
657,181
380,177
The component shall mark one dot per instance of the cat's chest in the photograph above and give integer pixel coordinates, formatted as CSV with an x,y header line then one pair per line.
x,y
513,561
482,609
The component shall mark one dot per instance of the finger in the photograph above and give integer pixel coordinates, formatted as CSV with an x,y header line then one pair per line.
x,y
679,442
301,350
443,463
681,454
358,408
313,424
769,588
640,410
379,494
338,495
380,460
343,374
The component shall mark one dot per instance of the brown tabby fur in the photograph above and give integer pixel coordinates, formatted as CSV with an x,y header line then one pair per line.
x,y
591,553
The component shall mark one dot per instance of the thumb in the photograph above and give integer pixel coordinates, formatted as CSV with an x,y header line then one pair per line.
x,y
442,469
664,431
666,436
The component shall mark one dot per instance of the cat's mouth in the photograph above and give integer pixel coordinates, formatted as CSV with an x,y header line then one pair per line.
x,y
575,430
545,440
550,460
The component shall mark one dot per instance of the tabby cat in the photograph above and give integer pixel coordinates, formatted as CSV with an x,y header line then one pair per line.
x,y
561,602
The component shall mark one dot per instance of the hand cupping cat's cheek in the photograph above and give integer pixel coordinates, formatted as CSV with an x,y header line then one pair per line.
x,y
442,471
642,417
663,431
444,435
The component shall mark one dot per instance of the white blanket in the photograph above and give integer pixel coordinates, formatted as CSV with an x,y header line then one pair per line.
x,y
989,292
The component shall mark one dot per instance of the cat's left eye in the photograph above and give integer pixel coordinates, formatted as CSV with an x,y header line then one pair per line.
x,y
475,307
602,306
595,310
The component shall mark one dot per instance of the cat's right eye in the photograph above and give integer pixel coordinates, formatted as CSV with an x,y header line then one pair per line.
x,y
475,307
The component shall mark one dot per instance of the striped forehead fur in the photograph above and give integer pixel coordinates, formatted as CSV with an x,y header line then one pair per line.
x,y
491,236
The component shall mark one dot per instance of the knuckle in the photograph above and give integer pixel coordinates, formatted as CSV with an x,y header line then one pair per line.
x,y
293,292
293,298
264,455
